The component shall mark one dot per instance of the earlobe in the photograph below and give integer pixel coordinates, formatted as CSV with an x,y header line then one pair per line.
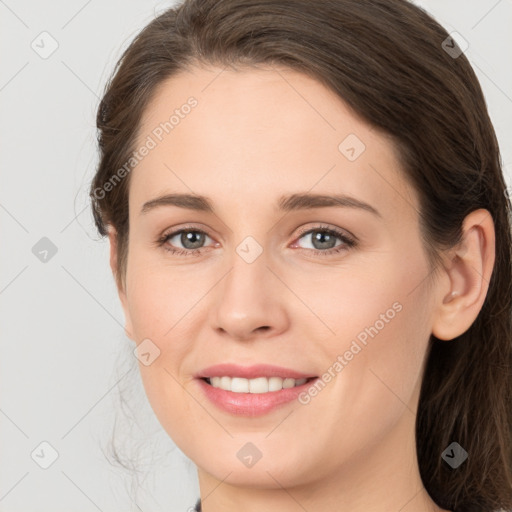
x,y
469,272
112,235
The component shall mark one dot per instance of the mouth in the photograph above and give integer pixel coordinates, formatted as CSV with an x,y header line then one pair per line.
x,y
253,390
256,385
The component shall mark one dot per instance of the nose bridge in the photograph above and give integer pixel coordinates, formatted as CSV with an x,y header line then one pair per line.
x,y
248,277
248,243
247,299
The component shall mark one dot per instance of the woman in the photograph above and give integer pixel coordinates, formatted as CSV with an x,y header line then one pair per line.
x,y
310,235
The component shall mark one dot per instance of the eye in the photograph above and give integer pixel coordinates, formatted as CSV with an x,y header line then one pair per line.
x,y
192,240
324,240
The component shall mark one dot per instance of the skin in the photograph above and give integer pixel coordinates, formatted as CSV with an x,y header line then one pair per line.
x,y
257,134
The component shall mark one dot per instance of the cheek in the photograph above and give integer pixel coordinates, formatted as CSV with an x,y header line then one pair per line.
x,y
377,376
362,298
160,304
380,316
168,306
161,297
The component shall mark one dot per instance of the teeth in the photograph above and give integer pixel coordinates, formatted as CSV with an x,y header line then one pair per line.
x,y
258,385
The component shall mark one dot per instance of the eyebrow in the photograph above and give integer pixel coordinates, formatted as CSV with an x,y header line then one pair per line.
x,y
293,202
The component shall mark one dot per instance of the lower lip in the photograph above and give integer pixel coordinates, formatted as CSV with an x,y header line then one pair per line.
x,y
252,404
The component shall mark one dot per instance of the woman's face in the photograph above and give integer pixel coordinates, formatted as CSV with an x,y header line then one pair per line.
x,y
270,285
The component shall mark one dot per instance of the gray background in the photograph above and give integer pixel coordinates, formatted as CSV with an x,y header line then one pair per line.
x,y
64,355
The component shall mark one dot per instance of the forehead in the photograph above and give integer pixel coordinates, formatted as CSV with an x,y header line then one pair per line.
x,y
254,133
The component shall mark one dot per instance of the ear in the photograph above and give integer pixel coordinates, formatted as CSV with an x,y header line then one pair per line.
x,y
466,282
112,235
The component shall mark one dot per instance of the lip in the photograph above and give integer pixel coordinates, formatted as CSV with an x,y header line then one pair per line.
x,y
251,372
251,404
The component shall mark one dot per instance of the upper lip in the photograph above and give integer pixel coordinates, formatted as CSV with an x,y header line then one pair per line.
x,y
251,372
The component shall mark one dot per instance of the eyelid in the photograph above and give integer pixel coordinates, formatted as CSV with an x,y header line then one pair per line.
x,y
302,230
324,227
187,227
172,232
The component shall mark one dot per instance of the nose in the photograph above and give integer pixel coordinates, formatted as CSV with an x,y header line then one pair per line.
x,y
250,301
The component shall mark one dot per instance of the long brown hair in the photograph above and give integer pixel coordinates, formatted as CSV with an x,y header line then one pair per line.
x,y
387,60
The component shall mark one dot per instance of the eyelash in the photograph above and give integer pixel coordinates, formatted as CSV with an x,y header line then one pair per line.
x,y
348,242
